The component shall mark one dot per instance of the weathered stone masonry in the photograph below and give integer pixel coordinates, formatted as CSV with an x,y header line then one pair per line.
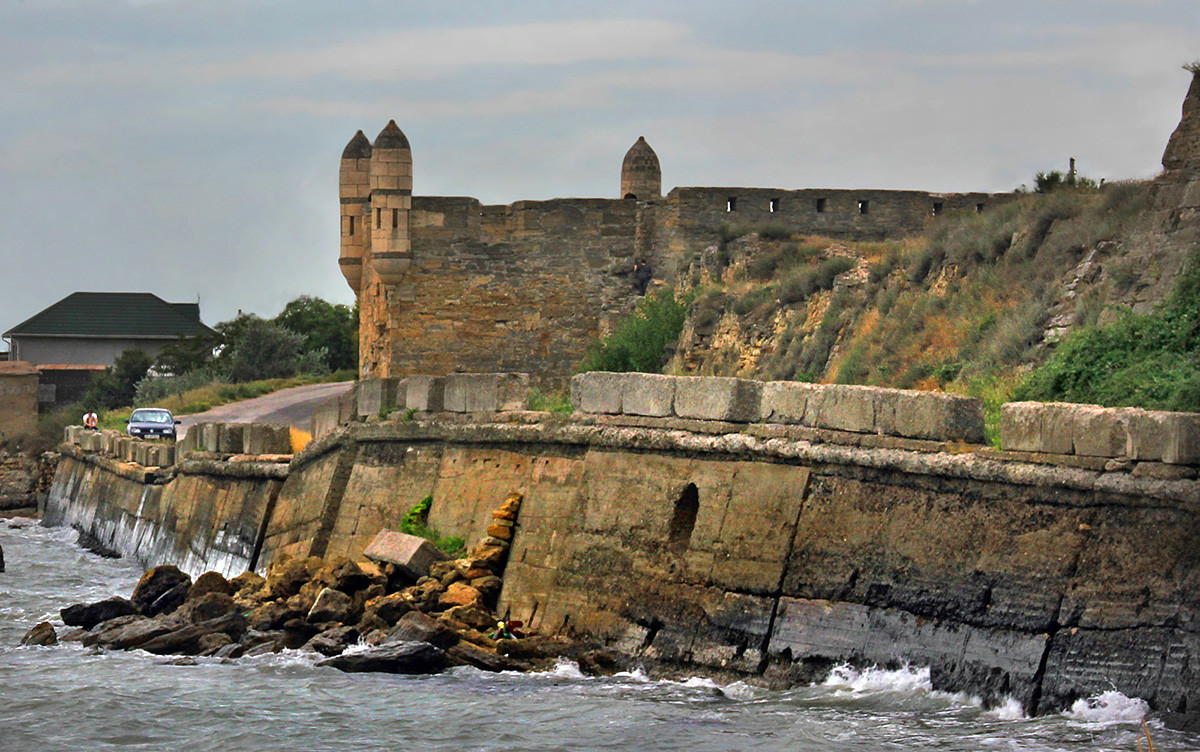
x,y
776,529
447,284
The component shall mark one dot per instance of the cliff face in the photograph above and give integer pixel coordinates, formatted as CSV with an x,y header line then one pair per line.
x,y
1182,156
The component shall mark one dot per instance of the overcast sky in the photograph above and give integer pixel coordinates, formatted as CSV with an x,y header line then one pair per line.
x,y
190,149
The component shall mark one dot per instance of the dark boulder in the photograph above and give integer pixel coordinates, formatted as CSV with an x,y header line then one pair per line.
x,y
155,582
186,640
1,558
332,641
273,615
331,605
466,654
126,633
169,601
42,634
392,658
207,606
418,627
88,615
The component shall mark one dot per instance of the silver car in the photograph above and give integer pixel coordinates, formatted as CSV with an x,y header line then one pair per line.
x,y
152,423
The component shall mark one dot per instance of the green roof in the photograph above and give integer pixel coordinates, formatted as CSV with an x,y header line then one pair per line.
x,y
114,314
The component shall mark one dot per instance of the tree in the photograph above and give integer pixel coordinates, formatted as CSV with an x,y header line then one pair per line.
x,y
116,386
184,355
262,350
324,325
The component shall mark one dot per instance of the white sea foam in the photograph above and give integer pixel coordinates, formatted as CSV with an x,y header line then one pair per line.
x,y
846,679
1108,708
1009,710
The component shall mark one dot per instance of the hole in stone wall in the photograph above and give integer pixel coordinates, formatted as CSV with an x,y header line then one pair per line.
x,y
395,218
679,534
820,206
979,208
351,229
864,206
937,208
731,204
378,218
631,196
773,205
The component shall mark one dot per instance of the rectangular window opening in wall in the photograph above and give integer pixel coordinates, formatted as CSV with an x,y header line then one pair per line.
x,y
731,204
820,206
378,218
773,205
937,208
350,230
979,208
864,206
395,218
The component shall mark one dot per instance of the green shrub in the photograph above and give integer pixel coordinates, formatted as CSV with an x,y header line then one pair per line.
x,y
641,341
416,522
774,232
540,401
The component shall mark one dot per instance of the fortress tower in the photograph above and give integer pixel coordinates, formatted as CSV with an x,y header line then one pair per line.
x,y
391,201
355,194
641,176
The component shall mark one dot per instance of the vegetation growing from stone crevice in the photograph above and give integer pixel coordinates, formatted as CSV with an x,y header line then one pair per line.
x,y
642,340
1150,361
416,522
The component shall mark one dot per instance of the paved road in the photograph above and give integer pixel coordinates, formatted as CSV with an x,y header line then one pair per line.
x,y
291,407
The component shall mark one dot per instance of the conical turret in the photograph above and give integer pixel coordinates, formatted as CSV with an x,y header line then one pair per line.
x,y
355,193
1182,157
641,176
391,200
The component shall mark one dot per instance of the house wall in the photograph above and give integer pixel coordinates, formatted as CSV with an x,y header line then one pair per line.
x,y
78,351
18,399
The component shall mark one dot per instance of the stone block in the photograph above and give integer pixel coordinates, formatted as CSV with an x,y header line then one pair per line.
x,y
409,553
166,456
717,398
71,434
231,438
843,407
1183,439
1021,426
325,417
348,405
785,401
1146,434
597,392
262,438
648,394
1058,427
486,392
425,393
141,453
376,397
91,441
932,416
125,449
210,437
1098,432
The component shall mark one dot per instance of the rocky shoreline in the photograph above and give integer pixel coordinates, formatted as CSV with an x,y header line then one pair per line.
x,y
414,615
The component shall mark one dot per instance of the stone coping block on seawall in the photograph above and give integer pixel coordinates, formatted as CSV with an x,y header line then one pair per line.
x,y
376,397
485,392
1093,431
929,416
424,393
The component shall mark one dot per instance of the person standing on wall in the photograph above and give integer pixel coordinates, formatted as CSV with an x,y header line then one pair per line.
x,y
641,276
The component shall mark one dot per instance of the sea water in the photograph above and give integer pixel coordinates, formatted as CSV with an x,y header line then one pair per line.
x,y
73,698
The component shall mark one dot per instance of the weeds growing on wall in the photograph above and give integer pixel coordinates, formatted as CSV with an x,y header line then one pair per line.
x,y
641,341
416,522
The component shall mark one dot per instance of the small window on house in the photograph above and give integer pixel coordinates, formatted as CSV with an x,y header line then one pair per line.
x,y
979,208
395,218
773,205
350,229
864,206
731,204
378,218
820,206
937,208
683,520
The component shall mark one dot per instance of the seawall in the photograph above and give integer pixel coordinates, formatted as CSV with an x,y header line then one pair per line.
x,y
757,537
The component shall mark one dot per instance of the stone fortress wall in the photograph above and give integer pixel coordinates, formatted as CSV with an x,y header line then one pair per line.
x,y
763,528
447,284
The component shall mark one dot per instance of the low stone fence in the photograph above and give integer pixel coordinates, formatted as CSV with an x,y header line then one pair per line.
x,y
208,439
1122,433
237,438
121,447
